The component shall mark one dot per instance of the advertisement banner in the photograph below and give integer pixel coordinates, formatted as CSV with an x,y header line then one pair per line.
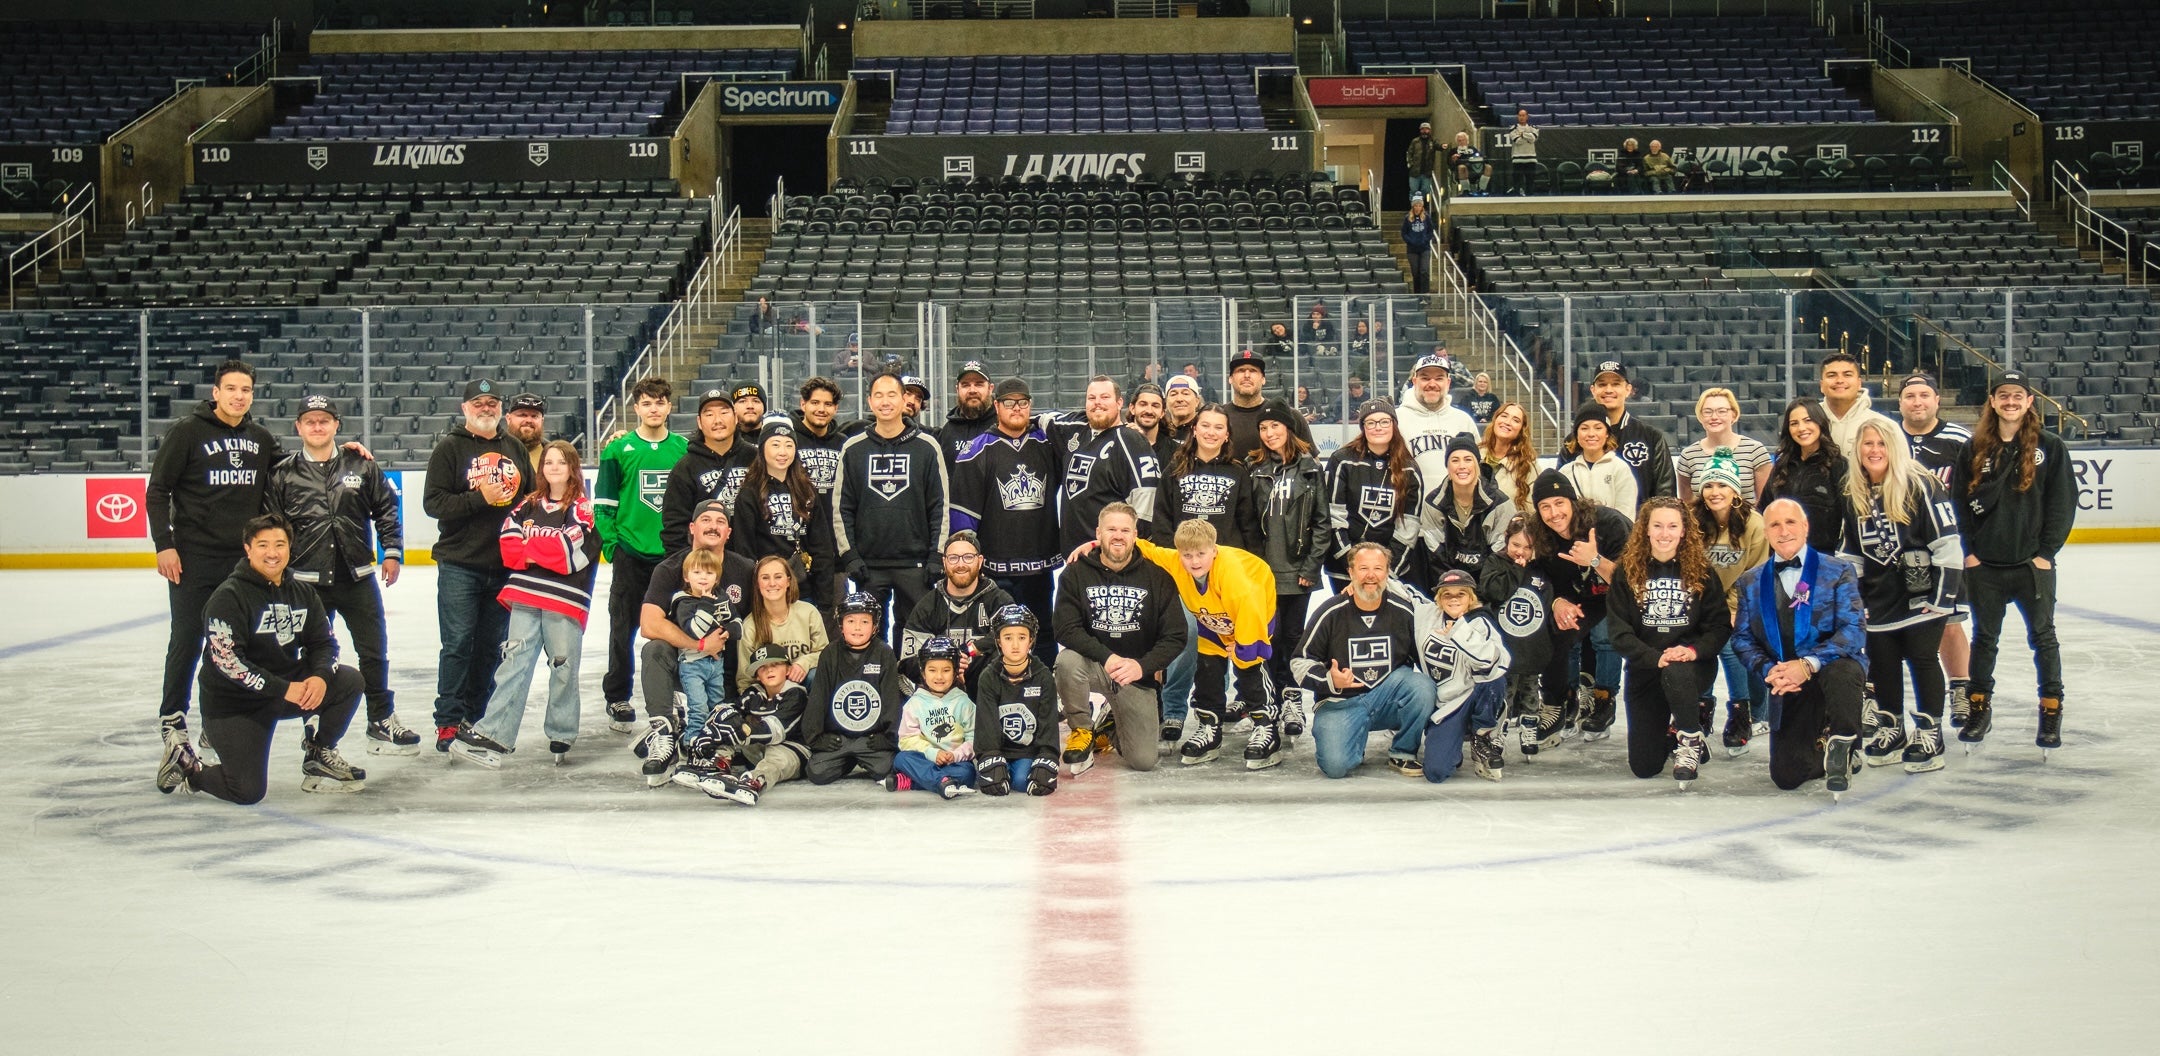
x,y
404,161
789,97
34,164
2073,143
1733,144
113,508
1366,91
1108,155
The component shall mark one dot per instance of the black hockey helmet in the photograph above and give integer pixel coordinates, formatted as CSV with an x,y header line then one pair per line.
x,y
939,649
860,601
1015,616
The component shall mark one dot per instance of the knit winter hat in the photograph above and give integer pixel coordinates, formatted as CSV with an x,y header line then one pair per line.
x,y
1551,485
1274,411
1721,469
775,425
1460,442
1372,407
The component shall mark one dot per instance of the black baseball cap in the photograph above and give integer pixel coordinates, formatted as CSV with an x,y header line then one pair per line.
x,y
1610,366
973,366
1013,387
713,396
482,388
910,381
1920,378
317,403
2012,377
1246,357
528,401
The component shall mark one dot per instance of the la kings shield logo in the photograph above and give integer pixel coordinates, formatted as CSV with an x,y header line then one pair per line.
x,y
652,487
284,621
1371,657
1524,613
889,474
1376,504
1016,723
1077,469
855,706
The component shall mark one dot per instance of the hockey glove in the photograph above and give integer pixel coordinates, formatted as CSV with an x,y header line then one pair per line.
x,y
1042,777
992,777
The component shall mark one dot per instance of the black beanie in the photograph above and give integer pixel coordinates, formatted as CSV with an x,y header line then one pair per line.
x,y
1274,411
1550,485
1461,442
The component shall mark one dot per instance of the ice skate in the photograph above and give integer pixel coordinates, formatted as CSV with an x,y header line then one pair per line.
x,y
1886,743
2050,735
1293,713
1080,751
1739,727
1706,710
622,718
178,766
560,750
324,770
952,789
695,774
1979,719
1172,729
1924,749
1597,722
1578,704
1838,766
173,728
1204,742
658,748
1265,747
1957,703
390,737
475,747
1406,765
1871,713
1687,759
1485,755
1546,731
735,788
443,736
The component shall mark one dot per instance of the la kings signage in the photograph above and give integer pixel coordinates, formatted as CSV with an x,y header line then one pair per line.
x,y
1733,144
431,161
1131,155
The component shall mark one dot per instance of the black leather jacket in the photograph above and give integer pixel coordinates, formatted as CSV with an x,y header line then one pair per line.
x,y
331,505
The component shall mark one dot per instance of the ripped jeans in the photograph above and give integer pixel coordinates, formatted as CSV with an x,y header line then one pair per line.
x,y
533,630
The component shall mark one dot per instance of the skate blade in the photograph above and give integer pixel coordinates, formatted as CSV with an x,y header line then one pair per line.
x,y
1735,753
1081,767
687,779
1885,761
1928,767
744,798
489,760
1600,735
1684,783
392,748
1262,764
621,727
312,783
1205,757
1489,775
1761,729
659,780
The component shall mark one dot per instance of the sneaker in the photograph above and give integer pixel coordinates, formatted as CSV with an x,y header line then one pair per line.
x,y
179,765
1549,726
1485,755
2050,735
1979,718
896,782
324,770
1838,764
658,748
443,736
1264,748
390,737
559,749
1293,713
952,789
1597,722
1739,727
622,718
1923,750
1080,751
1957,702
473,746
1204,742
735,788
1687,758
1886,744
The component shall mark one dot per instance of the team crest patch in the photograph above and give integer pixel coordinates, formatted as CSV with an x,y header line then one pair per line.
x,y
1376,504
855,706
1635,452
1523,614
1371,657
889,474
284,621
652,487
1025,489
1016,723
1217,623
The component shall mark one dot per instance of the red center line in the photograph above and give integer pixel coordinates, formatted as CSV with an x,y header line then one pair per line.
x,y
1079,992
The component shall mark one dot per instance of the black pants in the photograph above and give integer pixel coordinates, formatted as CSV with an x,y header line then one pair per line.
x,y
1522,177
359,603
899,588
1828,703
242,774
200,574
1992,590
1420,270
1557,684
1038,593
1255,690
1658,699
1891,653
1289,628
825,768
625,603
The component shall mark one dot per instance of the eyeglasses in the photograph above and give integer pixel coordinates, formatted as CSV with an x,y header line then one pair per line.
x,y
1016,401
962,559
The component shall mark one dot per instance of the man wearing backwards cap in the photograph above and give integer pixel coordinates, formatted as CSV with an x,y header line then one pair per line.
x,y
1644,447
525,419
476,471
1248,374
1428,420
971,415
1935,444
340,505
712,467
1181,406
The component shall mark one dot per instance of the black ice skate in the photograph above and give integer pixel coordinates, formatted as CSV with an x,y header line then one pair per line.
x,y
1923,750
390,737
1687,758
1886,743
475,747
1485,755
178,767
1597,724
1204,742
622,718
1739,727
1264,748
735,788
658,748
1979,719
1838,766
1957,703
322,769
2050,736
1546,731
560,750
1293,713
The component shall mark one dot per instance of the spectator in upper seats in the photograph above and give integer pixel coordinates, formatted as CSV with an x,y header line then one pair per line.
x,y
1421,158
1192,370
1658,169
762,320
1417,237
1628,166
1467,168
1522,153
1354,392
1317,331
1360,347
1311,408
1279,342
526,421
849,358
1482,403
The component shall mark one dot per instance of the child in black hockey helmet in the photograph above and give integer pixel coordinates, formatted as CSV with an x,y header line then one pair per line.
x,y
1016,713
937,728
855,697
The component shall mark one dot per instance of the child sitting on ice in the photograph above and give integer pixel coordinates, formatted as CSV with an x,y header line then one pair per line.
x,y
1016,732
937,729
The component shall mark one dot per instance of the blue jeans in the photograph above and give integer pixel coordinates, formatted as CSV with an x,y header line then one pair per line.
x,y
1444,739
1737,684
927,775
704,687
473,625
1605,663
1422,187
1400,704
1178,677
531,631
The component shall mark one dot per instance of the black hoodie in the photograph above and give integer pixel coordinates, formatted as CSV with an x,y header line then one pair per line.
x,y
260,637
890,511
1208,491
207,481
2004,526
702,474
468,527
1662,612
1131,612
961,427
819,455
854,693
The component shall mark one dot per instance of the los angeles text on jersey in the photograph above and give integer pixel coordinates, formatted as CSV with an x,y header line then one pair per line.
x,y
239,451
1116,608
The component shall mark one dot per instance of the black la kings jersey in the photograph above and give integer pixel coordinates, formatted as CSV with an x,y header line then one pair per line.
x,y
1363,503
1938,448
1114,465
1370,644
1005,489
966,621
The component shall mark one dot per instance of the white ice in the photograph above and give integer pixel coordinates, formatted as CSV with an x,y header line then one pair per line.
x,y
2000,905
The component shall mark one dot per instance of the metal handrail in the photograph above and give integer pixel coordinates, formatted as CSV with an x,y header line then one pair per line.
x,y
2104,231
1486,335
2006,180
1994,367
53,241
1372,198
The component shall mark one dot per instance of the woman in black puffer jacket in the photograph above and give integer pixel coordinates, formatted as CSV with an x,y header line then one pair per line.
x,y
1810,470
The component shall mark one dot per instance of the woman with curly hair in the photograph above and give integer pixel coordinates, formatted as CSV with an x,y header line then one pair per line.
x,y
1669,620
1810,470
1510,459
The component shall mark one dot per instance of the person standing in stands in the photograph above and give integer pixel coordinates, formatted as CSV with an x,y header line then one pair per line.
x,y
476,471
206,483
340,506
1248,379
1005,484
1644,447
525,419
1482,401
1935,445
626,504
711,469
1421,158
2016,503
891,517
1418,233
1522,155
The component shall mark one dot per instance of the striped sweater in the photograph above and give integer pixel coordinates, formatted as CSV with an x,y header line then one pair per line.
x,y
550,549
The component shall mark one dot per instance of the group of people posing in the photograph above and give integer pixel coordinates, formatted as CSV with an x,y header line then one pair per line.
x,y
925,607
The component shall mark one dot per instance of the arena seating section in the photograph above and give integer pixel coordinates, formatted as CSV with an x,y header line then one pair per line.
x,y
472,95
1660,297
463,279
2087,62
1075,93
397,14
1051,269
1760,70
77,82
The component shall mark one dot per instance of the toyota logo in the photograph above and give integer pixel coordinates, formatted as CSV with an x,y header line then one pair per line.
x,y
115,509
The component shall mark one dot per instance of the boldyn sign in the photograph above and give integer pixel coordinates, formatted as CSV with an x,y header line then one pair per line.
x,y
1109,156
1366,91
386,161
789,97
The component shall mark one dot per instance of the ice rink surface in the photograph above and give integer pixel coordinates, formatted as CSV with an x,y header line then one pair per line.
x,y
2000,905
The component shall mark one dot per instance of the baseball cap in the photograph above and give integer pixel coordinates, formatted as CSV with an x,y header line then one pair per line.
x,y
910,381
1433,360
1610,366
1246,357
1455,577
1920,378
973,366
528,401
710,504
1013,387
482,388
2012,377
748,390
318,403
1180,381
713,396
768,653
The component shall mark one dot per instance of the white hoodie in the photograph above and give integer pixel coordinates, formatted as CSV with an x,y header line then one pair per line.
x,y
1844,429
1428,433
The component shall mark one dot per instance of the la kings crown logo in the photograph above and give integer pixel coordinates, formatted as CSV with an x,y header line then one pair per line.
x,y
1016,723
1024,489
1524,613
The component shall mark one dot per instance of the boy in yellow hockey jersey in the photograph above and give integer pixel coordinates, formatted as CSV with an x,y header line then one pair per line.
x,y
1231,594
